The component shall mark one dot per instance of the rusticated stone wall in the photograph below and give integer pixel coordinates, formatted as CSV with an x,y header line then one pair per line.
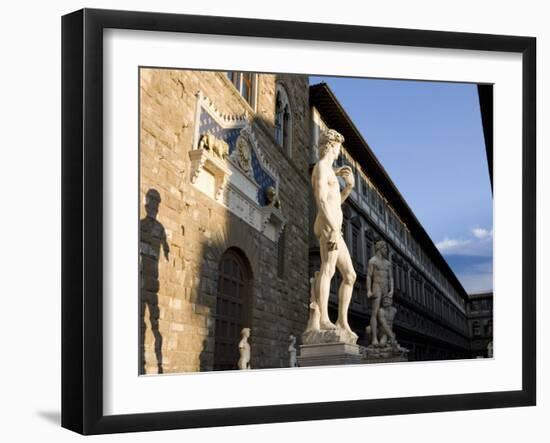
x,y
184,232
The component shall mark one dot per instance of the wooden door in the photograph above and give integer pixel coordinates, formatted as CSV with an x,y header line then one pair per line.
x,y
232,309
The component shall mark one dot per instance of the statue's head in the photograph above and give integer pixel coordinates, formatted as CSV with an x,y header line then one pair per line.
x,y
330,140
292,338
152,202
270,193
382,247
386,302
245,332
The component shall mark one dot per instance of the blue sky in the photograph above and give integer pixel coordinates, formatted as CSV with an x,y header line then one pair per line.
x,y
429,138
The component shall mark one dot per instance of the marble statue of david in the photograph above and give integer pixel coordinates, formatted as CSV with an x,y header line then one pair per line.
x,y
328,230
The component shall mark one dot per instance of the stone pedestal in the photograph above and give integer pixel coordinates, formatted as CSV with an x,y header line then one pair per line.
x,y
385,354
333,336
330,354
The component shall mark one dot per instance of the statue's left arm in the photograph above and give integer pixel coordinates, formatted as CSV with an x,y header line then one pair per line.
x,y
347,174
344,194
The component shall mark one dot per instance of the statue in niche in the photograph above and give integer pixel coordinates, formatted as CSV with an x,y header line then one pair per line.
x,y
218,147
292,351
244,155
379,284
272,197
244,349
333,249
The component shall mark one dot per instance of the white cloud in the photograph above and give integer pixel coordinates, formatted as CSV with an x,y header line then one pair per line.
x,y
475,275
449,244
478,241
482,234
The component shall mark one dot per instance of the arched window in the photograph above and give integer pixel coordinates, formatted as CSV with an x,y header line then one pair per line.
x,y
283,120
233,308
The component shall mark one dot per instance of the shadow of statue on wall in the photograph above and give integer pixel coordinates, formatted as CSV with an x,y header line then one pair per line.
x,y
152,238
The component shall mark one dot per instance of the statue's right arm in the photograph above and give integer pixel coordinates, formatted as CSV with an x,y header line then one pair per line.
x,y
320,190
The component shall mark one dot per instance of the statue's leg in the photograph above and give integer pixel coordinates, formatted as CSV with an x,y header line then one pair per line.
x,y
345,267
385,329
326,272
374,313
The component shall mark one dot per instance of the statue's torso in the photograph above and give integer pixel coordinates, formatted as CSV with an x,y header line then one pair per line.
x,y
381,272
333,198
244,347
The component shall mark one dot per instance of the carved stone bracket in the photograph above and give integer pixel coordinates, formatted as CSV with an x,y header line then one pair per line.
x,y
208,172
273,222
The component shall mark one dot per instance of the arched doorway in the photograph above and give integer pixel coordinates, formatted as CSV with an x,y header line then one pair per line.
x,y
233,308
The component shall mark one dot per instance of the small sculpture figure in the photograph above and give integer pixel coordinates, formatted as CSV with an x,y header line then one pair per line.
x,y
244,349
272,197
292,351
219,147
386,345
327,229
379,284
386,315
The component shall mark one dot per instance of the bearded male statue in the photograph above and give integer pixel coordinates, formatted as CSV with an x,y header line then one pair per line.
x,y
379,283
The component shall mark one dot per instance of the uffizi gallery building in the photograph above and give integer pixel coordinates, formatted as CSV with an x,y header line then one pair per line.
x,y
226,237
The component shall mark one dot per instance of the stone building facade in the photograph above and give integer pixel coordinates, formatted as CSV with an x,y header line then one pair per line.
x,y
224,217
480,323
431,303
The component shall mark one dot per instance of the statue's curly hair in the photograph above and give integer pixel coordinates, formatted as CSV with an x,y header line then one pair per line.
x,y
379,244
327,139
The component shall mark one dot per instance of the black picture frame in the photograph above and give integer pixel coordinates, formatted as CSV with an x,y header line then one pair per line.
x,y
82,216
